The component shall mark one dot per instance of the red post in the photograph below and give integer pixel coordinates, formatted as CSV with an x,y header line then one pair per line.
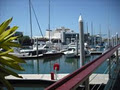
x,y
52,76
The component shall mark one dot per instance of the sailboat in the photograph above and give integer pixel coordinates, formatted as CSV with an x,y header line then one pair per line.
x,y
95,49
37,48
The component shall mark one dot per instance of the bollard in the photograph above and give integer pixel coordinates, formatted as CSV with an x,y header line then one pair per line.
x,y
52,76
82,52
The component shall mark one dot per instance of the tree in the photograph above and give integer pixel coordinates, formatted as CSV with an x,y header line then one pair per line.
x,y
25,40
8,61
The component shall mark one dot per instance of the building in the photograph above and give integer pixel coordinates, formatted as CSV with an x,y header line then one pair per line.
x,y
56,34
65,35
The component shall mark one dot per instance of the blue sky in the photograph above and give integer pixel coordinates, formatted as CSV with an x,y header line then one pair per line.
x,y
63,13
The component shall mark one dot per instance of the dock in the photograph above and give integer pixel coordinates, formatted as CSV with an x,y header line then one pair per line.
x,y
46,78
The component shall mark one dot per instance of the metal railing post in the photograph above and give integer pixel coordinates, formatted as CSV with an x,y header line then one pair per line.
x,y
87,84
117,57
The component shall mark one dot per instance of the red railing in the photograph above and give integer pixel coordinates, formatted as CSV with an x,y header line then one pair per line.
x,y
74,79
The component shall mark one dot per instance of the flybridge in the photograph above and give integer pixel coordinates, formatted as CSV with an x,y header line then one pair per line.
x,y
76,78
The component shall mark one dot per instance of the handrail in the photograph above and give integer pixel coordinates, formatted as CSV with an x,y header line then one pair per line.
x,y
74,79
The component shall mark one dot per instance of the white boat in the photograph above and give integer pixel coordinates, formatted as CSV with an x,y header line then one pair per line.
x,y
41,49
52,53
70,52
95,51
33,51
74,51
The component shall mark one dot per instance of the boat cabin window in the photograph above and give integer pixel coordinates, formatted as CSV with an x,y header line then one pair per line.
x,y
46,47
71,49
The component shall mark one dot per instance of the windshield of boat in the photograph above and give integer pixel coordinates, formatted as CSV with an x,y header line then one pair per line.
x,y
70,49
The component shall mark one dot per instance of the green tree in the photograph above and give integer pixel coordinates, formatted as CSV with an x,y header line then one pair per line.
x,y
25,40
8,61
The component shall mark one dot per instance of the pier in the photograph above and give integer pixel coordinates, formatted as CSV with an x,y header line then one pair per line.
x,y
77,78
41,78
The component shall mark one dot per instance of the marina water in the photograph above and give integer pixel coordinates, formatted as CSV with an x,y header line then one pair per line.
x,y
45,65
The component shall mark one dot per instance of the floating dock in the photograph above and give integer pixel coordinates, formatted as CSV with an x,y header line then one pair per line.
x,y
46,78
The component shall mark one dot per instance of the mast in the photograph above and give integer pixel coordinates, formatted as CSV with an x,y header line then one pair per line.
x,y
108,36
49,21
92,28
92,38
100,35
87,27
37,20
30,18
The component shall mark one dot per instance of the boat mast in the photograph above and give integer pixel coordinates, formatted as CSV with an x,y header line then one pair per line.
x,y
108,36
37,19
30,18
100,34
49,21
87,27
92,39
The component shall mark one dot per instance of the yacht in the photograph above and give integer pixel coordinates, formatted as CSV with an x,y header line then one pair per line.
x,y
70,52
74,51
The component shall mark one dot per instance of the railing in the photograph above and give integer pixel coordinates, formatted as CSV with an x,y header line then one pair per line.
x,y
72,81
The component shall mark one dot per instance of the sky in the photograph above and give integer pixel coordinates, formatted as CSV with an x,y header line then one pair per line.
x,y
63,13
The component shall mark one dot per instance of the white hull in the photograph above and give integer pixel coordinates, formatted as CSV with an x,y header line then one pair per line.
x,y
69,54
96,52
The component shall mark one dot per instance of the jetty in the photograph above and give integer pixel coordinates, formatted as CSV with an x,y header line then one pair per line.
x,y
45,79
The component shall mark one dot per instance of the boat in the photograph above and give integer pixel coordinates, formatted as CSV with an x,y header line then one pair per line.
x,y
32,51
95,50
70,52
37,48
52,53
74,51
26,55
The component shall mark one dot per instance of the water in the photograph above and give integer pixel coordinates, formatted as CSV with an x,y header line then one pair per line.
x,y
45,66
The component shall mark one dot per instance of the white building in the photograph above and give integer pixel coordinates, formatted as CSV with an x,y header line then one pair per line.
x,y
56,34
66,35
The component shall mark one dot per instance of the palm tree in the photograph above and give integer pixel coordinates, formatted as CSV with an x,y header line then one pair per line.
x,y
8,61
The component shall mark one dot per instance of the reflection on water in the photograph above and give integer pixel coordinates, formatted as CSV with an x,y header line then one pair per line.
x,y
29,88
45,66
